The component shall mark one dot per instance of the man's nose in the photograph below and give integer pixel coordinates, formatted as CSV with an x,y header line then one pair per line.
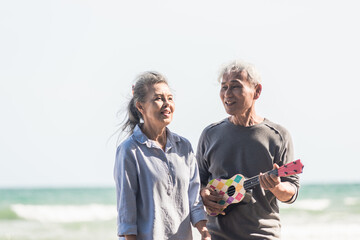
x,y
228,92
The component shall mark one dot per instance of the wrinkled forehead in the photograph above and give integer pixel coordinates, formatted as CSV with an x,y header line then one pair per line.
x,y
235,75
159,89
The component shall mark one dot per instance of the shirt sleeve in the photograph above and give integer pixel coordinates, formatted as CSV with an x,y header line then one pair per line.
x,y
125,176
197,212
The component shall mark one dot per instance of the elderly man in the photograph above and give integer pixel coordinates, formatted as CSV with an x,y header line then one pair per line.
x,y
248,144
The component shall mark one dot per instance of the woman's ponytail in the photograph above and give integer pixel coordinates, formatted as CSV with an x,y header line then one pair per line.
x,y
134,117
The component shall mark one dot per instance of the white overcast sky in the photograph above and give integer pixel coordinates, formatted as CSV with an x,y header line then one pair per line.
x,y
66,69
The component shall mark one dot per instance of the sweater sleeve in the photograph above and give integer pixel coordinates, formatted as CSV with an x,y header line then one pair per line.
x,y
287,156
202,162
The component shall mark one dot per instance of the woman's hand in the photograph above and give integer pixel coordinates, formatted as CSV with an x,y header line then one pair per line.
x,y
205,235
201,226
130,237
210,199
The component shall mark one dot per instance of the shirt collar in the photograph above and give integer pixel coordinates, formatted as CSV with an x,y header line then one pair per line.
x,y
143,139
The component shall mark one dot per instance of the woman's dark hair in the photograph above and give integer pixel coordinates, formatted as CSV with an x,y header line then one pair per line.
x,y
140,90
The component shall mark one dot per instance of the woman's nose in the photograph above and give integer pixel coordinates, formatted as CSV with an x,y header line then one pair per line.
x,y
166,102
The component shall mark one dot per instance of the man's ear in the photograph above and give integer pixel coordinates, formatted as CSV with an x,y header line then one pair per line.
x,y
139,107
258,90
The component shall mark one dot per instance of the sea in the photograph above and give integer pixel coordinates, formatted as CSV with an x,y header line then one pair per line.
x,y
322,211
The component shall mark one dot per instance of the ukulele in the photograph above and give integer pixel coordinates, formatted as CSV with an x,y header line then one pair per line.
x,y
233,189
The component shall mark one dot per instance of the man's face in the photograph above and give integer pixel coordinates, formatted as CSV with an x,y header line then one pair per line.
x,y
237,94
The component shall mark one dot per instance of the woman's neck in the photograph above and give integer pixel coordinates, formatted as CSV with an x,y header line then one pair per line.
x,y
156,134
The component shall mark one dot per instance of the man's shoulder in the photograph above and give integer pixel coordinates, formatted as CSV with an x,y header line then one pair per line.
x,y
214,127
277,128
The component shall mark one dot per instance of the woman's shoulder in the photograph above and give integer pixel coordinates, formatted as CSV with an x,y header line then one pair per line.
x,y
128,144
176,138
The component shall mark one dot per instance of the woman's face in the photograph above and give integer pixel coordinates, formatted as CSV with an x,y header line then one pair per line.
x,y
237,94
159,105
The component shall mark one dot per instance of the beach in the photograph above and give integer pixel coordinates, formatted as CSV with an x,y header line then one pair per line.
x,y
322,211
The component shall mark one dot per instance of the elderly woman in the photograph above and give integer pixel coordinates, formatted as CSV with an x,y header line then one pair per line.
x,y
156,173
248,144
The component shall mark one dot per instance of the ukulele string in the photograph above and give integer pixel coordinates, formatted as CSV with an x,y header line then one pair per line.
x,y
253,181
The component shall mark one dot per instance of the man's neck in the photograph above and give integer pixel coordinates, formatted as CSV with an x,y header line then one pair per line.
x,y
246,120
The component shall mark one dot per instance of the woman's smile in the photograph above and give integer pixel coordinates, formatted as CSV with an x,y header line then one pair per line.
x,y
166,112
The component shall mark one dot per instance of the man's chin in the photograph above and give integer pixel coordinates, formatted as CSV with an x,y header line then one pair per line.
x,y
229,111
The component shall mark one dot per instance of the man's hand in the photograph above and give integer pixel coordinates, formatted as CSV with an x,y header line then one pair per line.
x,y
269,181
210,199
283,191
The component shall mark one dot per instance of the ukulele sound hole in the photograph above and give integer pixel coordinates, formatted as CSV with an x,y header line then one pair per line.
x,y
231,191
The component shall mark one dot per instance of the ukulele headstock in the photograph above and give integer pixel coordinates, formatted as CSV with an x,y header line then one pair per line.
x,y
289,169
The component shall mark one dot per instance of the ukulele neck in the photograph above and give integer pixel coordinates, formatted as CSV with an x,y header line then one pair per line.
x,y
292,168
254,181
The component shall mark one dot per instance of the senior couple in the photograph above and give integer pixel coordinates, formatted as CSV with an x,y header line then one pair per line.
x,y
161,184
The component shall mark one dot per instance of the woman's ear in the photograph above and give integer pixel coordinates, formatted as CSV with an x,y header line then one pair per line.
x,y
258,90
139,107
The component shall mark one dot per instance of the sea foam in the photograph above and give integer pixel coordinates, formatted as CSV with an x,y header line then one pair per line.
x,y
351,201
309,204
65,213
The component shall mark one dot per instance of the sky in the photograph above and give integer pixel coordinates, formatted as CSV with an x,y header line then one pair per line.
x,y
67,66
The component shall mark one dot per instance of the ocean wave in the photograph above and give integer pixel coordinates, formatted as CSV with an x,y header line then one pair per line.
x,y
6,213
309,204
351,201
65,213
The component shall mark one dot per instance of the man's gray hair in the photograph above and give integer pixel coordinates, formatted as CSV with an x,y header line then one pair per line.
x,y
238,66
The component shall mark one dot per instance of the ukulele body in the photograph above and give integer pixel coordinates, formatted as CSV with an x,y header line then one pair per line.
x,y
231,189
